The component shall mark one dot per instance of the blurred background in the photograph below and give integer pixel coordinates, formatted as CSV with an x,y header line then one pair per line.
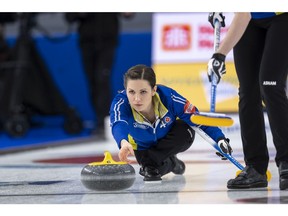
x,y
56,24
44,92
47,95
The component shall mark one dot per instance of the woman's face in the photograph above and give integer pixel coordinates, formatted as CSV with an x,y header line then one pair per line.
x,y
140,94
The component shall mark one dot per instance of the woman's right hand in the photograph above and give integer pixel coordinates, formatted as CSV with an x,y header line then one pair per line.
x,y
125,150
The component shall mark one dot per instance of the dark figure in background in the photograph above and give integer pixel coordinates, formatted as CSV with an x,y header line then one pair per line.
x,y
4,49
5,18
98,40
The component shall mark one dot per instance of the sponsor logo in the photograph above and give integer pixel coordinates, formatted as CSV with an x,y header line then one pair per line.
x,y
206,36
216,63
176,37
141,126
270,83
189,108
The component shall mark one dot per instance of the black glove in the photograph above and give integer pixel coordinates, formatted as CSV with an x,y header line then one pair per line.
x,y
216,66
225,147
218,16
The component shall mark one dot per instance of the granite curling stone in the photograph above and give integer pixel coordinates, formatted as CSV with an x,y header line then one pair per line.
x,y
108,175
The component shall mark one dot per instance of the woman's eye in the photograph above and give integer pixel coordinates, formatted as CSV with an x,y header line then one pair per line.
x,y
143,92
131,92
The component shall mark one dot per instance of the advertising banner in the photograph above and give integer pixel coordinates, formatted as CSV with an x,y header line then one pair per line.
x,y
182,44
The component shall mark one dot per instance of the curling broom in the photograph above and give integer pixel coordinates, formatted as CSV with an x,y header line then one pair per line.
x,y
228,156
211,118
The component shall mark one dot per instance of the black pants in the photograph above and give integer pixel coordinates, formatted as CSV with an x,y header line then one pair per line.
x,y
261,61
98,63
179,139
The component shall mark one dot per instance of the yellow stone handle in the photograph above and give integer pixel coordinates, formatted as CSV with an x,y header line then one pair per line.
x,y
107,160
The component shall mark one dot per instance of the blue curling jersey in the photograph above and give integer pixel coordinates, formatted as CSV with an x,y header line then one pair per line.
x,y
261,15
127,123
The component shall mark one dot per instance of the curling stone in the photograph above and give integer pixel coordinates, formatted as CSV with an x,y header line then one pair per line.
x,y
108,175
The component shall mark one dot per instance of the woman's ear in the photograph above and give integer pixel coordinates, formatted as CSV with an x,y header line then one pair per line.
x,y
154,90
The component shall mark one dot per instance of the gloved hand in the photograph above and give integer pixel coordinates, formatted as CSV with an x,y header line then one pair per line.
x,y
216,67
225,147
216,15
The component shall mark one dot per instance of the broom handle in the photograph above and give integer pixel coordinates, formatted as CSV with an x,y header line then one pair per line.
x,y
214,82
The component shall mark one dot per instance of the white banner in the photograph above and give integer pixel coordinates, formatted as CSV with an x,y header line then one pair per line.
x,y
184,37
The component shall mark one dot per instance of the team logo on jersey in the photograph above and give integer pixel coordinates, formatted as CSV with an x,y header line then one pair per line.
x,y
189,108
167,119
